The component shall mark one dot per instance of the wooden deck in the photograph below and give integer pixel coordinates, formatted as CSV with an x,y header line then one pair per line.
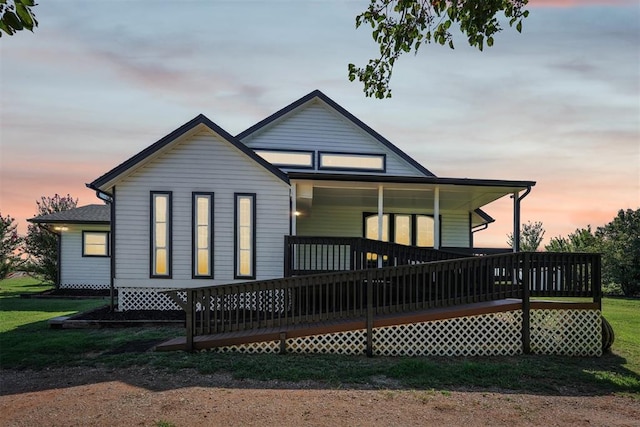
x,y
293,331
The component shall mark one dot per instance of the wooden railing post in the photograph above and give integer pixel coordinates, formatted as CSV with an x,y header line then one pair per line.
x,y
190,324
359,256
287,257
526,304
596,279
370,313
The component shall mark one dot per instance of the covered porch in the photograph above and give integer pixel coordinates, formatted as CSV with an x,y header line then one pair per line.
x,y
426,212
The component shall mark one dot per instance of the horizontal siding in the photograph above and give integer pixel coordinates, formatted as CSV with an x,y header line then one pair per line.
x,y
209,164
346,221
78,270
455,229
318,128
331,221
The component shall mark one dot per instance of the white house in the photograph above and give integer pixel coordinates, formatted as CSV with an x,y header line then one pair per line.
x,y
201,207
84,260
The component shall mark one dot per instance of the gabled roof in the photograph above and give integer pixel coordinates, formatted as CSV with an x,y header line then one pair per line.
x,y
199,121
340,110
90,214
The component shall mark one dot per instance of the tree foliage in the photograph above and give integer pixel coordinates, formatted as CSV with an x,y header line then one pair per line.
x,y
581,240
531,235
618,242
621,251
10,243
402,26
17,15
42,244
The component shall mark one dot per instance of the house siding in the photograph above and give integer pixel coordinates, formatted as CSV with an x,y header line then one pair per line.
x,y
317,128
346,221
203,163
455,229
77,271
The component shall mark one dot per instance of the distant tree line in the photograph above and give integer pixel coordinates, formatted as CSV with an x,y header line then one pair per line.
x,y
37,252
618,242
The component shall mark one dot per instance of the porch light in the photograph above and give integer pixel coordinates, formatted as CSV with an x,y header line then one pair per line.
x,y
60,228
297,213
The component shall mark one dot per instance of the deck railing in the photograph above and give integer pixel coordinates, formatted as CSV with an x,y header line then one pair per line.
x,y
310,255
372,292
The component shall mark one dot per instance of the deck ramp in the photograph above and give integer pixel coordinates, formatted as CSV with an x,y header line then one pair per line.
x,y
202,342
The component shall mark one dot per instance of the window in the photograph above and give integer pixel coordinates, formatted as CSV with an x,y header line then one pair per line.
x,y
424,231
402,229
95,243
202,251
371,230
406,229
354,161
245,236
160,234
288,158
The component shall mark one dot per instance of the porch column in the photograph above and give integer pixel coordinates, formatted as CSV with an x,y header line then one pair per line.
x,y
516,217
294,209
516,223
380,218
436,218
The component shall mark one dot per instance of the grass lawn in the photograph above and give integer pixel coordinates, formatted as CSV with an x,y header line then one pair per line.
x,y
27,342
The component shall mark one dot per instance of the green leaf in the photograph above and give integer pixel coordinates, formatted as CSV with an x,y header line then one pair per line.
x,y
12,20
25,16
490,41
7,29
519,26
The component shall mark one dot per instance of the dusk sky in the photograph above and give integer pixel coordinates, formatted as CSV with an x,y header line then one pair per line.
x,y
558,104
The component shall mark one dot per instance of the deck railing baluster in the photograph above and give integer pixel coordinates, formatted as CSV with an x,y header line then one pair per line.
x,y
404,288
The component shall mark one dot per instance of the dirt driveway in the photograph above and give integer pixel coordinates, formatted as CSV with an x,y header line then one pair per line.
x,y
145,396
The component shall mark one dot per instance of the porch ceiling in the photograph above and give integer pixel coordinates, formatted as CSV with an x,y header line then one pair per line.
x,y
408,196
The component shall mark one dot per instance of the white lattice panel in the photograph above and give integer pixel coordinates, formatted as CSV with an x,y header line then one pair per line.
x,y
484,335
92,286
146,299
256,300
348,342
251,348
566,332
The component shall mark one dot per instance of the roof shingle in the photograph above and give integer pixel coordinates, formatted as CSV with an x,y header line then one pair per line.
x,y
95,214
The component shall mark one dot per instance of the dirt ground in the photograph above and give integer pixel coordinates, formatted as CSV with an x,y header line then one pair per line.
x,y
145,397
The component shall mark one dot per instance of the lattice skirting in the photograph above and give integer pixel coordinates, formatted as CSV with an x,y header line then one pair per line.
x,y
484,335
569,332
566,332
146,299
93,286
